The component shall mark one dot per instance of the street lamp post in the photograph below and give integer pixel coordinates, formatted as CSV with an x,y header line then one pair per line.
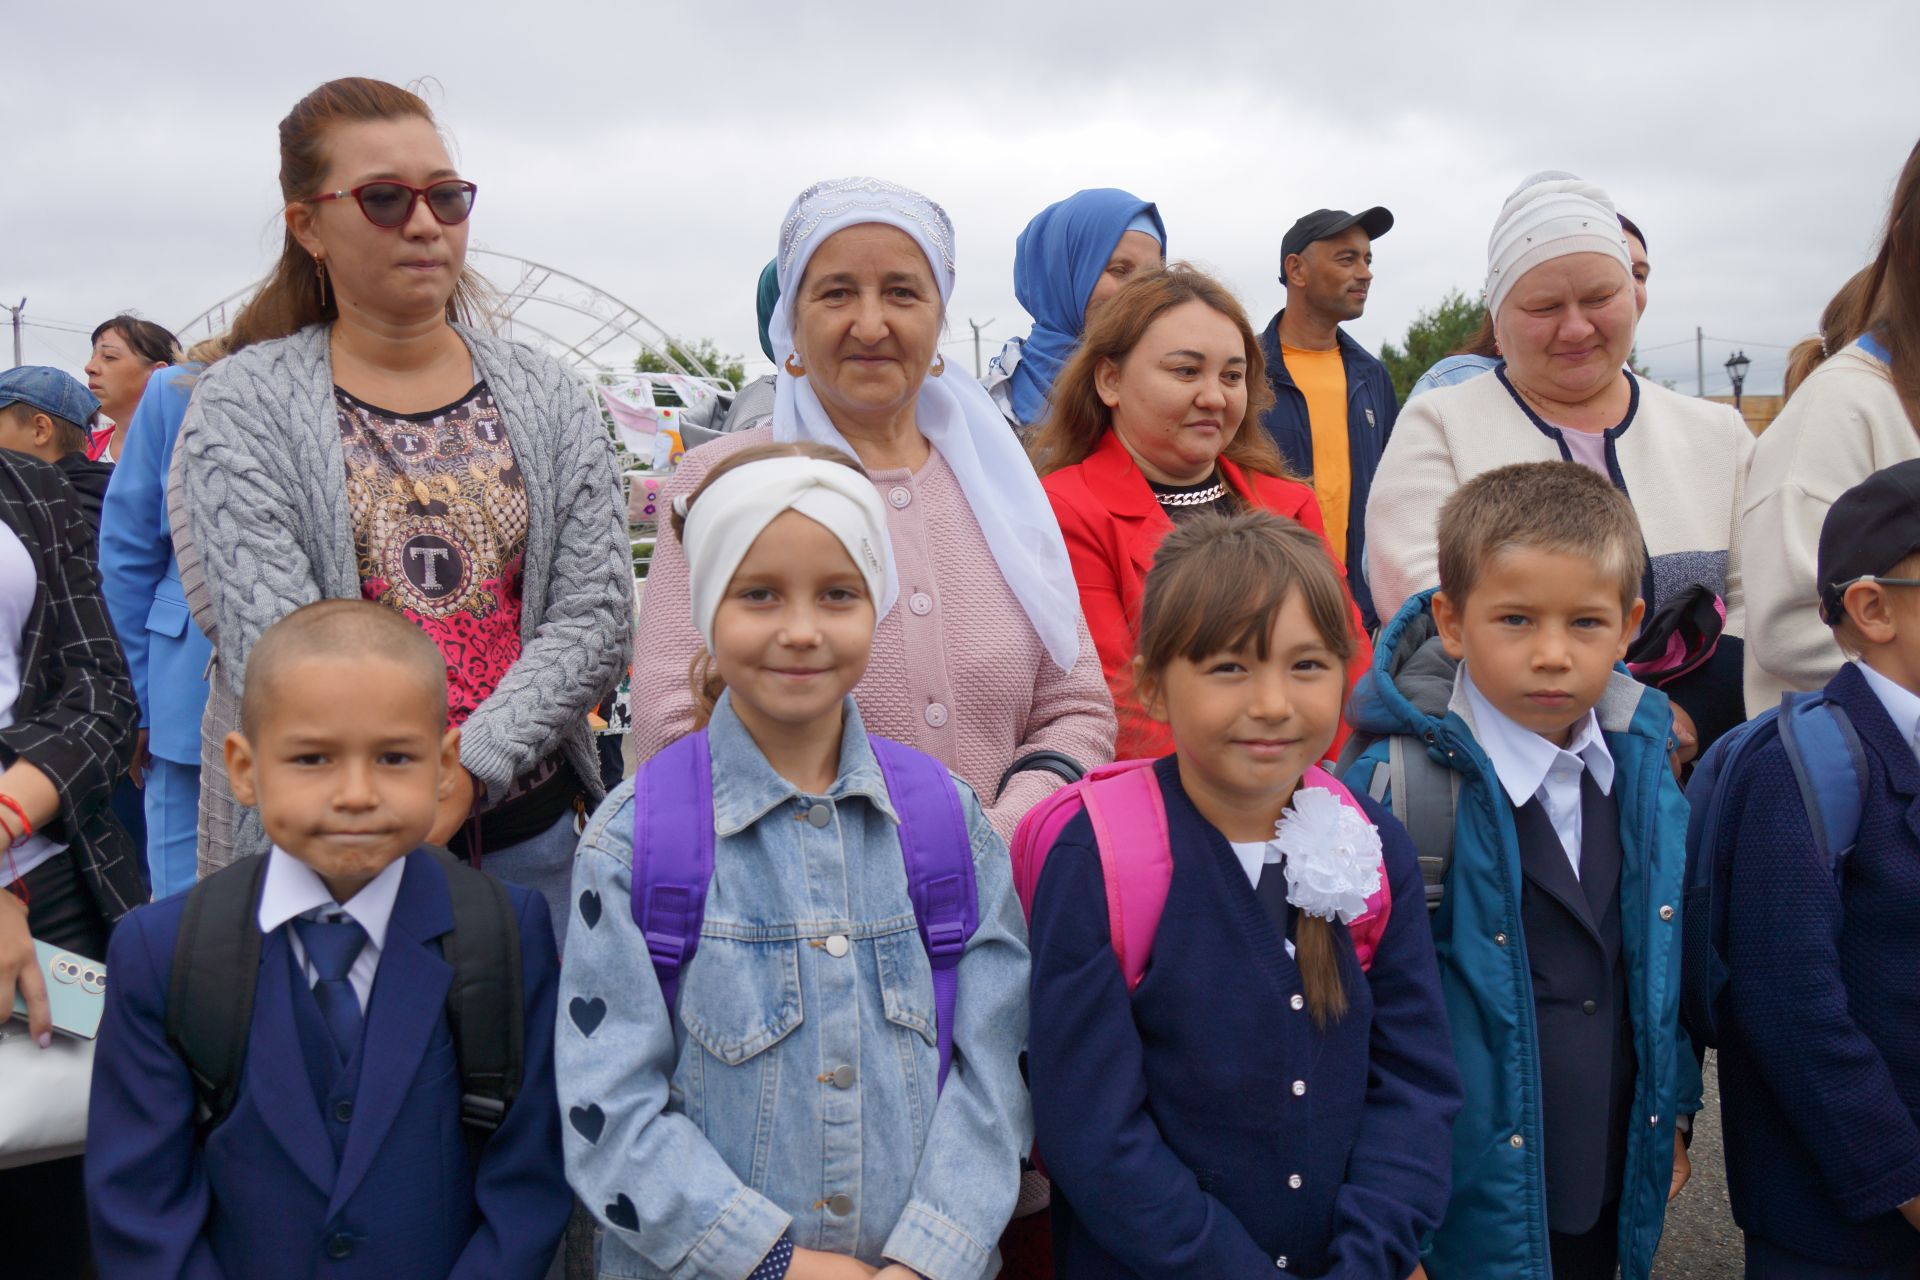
x,y
1737,370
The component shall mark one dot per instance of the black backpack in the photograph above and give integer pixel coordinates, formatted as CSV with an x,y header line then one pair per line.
x,y
216,962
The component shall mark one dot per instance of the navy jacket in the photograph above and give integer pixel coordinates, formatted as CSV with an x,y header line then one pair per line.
x,y
1820,1074
1204,1127
264,1195
1371,410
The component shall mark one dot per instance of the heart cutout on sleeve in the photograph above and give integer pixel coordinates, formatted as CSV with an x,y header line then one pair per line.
x,y
587,1014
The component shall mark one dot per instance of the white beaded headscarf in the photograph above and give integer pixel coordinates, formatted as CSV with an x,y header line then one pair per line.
x,y
953,412
1550,215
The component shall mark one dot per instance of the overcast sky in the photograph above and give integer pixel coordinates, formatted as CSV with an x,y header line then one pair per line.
x,y
651,149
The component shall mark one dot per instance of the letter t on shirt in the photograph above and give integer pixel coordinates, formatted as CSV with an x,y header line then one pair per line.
x,y
1322,379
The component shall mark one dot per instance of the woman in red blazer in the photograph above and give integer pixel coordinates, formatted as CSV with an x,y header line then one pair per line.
x,y
1156,419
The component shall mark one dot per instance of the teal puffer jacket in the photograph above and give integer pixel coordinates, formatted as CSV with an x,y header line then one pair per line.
x,y
1496,1223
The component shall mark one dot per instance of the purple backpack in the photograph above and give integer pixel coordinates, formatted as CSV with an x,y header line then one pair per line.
x,y
673,862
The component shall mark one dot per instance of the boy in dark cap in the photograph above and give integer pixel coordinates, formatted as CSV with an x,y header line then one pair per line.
x,y
45,413
1820,1069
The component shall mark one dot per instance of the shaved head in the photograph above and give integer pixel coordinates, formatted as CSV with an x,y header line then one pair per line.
x,y
336,630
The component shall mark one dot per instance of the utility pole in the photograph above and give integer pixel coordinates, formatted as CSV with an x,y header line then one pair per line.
x,y
977,373
1699,363
16,331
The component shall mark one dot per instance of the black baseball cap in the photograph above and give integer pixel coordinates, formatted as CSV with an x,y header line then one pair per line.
x,y
1322,223
1869,529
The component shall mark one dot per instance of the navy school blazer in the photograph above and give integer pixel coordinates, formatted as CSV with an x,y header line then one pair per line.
x,y
263,1196
1204,1126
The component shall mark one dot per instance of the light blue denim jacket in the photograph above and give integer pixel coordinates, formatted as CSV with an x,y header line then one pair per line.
x,y
698,1139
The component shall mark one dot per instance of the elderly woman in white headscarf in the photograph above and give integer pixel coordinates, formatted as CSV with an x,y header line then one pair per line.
x,y
1560,292
984,661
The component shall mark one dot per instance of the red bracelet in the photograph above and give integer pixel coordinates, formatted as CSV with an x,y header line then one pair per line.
x,y
19,813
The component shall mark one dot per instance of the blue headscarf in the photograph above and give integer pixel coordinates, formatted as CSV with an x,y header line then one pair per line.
x,y
1056,263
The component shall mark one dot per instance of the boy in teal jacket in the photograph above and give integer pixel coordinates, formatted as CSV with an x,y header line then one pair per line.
x,y
1558,926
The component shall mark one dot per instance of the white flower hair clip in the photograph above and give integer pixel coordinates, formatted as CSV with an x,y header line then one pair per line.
x,y
1332,855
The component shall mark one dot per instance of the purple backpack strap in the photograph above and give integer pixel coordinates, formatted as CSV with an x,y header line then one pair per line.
x,y
938,852
673,854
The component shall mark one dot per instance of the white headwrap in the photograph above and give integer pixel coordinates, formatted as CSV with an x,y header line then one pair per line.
x,y
1550,215
736,508
953,412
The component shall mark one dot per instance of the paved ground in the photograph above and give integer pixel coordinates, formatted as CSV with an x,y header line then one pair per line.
x,y
1701,1242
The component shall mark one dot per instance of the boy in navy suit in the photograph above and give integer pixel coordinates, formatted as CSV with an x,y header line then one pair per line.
x,y
343,1153
1820,1070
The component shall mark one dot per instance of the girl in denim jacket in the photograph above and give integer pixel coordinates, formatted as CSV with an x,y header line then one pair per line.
x,y
786,1116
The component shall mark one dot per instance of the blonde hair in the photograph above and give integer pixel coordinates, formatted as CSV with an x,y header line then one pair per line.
x,y
703,678
1217,584
1540,506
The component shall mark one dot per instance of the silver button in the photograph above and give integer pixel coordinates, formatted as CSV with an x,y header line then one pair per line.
x,y
1666,913
837,945
1281,1262
1500,939
900,495
1299,1088
1516,1141
1298,1003
1294,1181
921,603
936,715
1654,1121
841,1205
843,1077
820,814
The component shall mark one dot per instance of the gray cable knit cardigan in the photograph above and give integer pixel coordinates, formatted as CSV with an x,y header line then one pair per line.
x,y
265,486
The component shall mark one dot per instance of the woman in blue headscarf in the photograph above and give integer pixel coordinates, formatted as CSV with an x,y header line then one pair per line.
x,y
1071,258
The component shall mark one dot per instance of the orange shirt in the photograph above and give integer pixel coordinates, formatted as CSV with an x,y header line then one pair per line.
x,y
1322,379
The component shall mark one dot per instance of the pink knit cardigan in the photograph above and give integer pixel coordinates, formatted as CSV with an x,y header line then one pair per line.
x,y
957,670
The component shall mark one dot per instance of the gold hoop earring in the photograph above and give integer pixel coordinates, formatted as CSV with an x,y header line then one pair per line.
x,y
320,275
794,367
939,366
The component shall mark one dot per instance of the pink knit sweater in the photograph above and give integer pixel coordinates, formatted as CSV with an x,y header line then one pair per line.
x,y
957,670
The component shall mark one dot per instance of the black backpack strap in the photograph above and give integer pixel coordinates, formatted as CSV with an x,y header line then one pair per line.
x,y
486,1007
1057,763
216,965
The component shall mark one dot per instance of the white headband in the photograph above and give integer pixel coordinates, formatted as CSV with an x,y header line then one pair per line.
x,y
734,509
1550,215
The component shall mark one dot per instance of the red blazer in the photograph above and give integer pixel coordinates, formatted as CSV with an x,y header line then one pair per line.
x,y
1112,524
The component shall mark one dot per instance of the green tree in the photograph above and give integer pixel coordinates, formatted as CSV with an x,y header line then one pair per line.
x,y
701,350
1434,334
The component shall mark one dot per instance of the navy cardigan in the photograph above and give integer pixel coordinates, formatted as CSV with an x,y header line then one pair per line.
x,y
1204,1127
1820,1076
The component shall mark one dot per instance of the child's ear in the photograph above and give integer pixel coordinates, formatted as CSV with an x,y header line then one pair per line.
x,y
449,761
1866,603
239,753
1447,619
1631,629
1147,685
42,430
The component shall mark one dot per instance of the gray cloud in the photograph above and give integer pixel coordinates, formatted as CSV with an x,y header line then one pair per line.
x,y
652,149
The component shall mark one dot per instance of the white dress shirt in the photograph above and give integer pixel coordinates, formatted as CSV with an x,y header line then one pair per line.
x,y
1255,857
1529,766
1902,704
293,889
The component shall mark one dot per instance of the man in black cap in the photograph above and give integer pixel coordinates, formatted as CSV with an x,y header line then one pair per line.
x,y
1333,401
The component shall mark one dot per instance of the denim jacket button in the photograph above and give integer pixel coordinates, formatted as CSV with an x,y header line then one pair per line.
x,y
841,1205
843,1077
837,945
820,815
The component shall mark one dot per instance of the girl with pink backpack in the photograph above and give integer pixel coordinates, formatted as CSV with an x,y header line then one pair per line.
x,y
1238,1053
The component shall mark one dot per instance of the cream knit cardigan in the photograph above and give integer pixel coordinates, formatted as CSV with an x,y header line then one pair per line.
x,y
1842,425
1683,462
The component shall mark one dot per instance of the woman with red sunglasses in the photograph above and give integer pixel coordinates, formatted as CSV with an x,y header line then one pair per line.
x,y
365,440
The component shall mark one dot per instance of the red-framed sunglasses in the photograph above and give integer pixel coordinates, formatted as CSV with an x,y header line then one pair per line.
x,y
389,204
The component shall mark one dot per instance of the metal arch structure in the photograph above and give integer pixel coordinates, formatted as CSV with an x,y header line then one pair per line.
x,y
580,323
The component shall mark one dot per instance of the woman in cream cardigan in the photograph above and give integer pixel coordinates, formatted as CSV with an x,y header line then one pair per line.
x,y
1560,291
1853,416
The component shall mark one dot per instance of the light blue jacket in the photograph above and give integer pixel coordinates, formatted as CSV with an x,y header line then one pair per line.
x,y
1496,1225
140,578
1453,369
795,1088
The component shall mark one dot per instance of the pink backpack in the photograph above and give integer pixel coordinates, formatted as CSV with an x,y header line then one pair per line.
x,y
1129,817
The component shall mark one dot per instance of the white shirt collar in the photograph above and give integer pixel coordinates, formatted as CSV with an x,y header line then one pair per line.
x,y
1522,758
295,889
1902,704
